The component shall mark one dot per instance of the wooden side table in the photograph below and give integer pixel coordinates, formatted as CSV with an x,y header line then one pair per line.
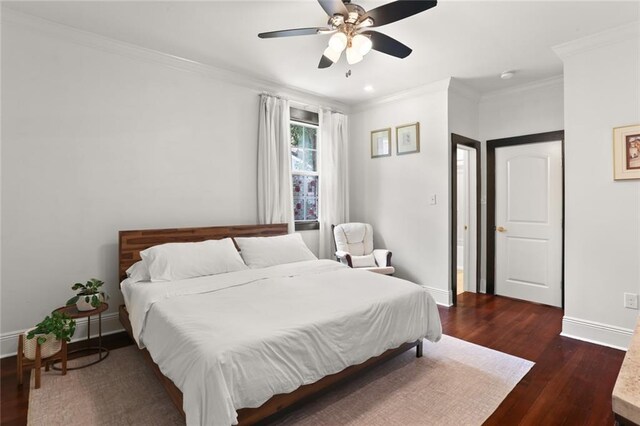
x,y
23,361
100,350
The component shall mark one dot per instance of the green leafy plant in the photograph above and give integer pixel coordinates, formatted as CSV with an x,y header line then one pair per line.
x,y
296,135
58,324
90,291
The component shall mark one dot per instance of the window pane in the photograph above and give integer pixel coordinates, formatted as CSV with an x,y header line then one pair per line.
x,y
298,186
304,158
298,209
311,212
296,136
297,159
312,186
309,160
309,137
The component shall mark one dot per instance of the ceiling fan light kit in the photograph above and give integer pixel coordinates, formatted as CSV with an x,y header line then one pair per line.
x,y
361,43
332,54
349,25
353,56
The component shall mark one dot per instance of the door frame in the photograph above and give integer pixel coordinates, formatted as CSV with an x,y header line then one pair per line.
x,y
453,219
557,135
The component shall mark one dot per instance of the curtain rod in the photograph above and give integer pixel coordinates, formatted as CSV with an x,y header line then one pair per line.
x,y
305,104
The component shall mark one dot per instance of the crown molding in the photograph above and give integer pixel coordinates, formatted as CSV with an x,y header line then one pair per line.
x,y
630,31
557,80
132,51
436,86
458,87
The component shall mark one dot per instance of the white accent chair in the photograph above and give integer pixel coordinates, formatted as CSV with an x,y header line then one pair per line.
x,y
354,247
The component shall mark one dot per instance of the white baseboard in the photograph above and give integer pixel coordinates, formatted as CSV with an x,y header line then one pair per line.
x,y
442,297
110,325
595,332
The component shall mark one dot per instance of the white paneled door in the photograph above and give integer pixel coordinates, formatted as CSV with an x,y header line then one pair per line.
x,y
529,222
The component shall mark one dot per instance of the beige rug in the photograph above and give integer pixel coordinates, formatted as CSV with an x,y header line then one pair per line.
x,y
456,382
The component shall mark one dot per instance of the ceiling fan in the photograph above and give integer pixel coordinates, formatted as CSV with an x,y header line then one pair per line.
x,y
349,25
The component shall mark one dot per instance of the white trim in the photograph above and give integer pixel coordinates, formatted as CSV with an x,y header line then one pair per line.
x,y
598,333
436,86
630,31
235,76
516,90
456,86
110,324
442,297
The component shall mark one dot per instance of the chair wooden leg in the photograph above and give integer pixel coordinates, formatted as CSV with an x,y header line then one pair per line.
x,y
38,365
19,359
64,357
46,366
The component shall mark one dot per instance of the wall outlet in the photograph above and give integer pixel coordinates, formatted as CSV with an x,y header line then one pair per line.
x,y
433,200
631,301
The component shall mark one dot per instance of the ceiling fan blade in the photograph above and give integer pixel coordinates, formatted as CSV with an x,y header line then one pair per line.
x,y
385,44
334,7
397,10
325,62
293,32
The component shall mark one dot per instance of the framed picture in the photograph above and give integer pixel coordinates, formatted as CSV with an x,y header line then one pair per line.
x,y
626,152
408,139
381,143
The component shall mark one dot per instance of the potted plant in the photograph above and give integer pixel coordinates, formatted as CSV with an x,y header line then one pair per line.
x,y
49,334
89,297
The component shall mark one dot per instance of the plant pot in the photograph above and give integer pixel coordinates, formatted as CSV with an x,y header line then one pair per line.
x,y
82,305
48,348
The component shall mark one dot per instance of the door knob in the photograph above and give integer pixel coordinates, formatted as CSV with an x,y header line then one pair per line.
x,y
501,229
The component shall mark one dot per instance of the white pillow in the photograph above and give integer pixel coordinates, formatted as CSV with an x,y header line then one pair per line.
x,y
365,261
261,252
177,261
138,272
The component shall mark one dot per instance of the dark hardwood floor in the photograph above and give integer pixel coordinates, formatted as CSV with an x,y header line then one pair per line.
x,y
570,384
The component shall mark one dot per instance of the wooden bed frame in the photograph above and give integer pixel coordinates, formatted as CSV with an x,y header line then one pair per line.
x,y
130,245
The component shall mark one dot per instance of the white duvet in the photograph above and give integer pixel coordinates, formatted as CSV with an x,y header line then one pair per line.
x,y
234,340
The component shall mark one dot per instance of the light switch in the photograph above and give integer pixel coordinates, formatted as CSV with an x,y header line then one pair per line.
x,y
433,200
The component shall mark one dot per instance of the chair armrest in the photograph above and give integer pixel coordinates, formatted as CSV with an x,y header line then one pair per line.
x,y
382,256
344,257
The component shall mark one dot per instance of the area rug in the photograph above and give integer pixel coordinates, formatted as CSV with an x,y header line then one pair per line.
x,y
455,382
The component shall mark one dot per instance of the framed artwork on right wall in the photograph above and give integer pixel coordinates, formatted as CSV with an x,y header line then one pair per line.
x,y
626,152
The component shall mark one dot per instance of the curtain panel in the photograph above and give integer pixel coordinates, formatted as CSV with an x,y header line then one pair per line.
x,y
334,194
275,195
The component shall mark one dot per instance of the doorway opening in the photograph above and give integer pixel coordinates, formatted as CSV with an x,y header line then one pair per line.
x,y
525,217
465,175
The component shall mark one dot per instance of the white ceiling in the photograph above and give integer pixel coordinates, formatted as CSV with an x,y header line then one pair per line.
x,y
471,40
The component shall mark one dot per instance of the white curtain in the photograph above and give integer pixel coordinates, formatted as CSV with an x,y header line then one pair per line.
x,y
275,194
334,195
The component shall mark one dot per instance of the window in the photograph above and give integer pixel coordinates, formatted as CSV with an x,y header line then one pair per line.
x,y
304,168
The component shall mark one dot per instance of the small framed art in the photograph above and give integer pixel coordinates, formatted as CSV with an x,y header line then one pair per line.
x,y
381,143
408,139
626,152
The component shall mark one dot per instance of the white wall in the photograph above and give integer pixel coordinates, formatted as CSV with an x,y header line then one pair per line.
x,y
463,120
602,246
523,110
392,193
100,139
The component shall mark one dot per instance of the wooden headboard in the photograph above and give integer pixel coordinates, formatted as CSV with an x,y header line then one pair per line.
x,y
131,243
